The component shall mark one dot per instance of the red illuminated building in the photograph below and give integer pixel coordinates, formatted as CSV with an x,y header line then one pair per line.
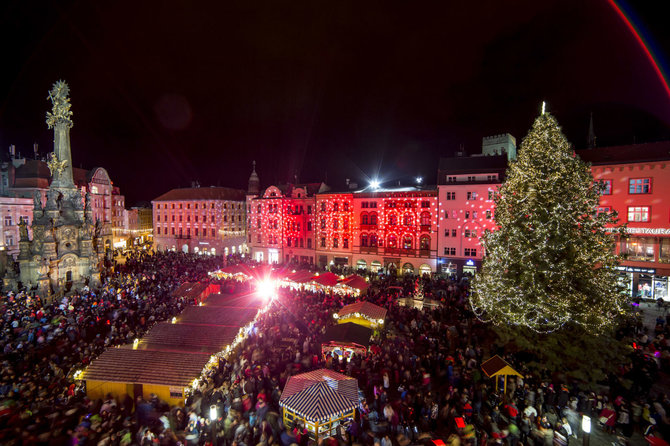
x,y
637,181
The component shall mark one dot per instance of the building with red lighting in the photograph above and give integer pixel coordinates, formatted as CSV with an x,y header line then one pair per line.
x,y
208,220
637,181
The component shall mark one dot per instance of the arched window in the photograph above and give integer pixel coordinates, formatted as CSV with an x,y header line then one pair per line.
x,y
392,220
407,242
373,240
373,219
392,242
364,240
407,219
425,219
364,218
424,242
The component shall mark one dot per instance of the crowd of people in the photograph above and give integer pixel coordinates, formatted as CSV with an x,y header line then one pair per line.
x,y
422,376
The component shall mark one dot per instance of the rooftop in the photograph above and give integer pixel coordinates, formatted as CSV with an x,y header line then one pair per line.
x,y
633,153
203,193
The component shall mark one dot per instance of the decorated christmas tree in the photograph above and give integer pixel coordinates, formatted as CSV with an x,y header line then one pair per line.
x,y
550,263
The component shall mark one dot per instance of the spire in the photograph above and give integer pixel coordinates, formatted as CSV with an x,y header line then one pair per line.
x,y
254,182
591,139
60,120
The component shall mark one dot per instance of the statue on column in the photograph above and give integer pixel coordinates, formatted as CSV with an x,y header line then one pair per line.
x,y
38,200
23,230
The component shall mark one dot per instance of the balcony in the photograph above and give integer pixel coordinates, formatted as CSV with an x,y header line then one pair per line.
x,y
424,228
183,236
368,249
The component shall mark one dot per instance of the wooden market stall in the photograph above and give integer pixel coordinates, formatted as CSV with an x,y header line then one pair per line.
x,y
123,371
198,291
353,284
497,367
363,313
321,400
326,280
346,339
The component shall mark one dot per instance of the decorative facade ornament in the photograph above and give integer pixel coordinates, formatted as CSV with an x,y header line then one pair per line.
x,y
60,111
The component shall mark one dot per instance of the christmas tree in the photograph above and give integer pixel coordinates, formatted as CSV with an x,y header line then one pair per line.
x,y
550,262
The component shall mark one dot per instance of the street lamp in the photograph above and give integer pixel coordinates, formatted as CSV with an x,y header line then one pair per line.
x,y
586,428
419,180
212,417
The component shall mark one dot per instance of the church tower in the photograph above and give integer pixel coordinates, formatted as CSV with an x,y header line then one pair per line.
x,y
254,182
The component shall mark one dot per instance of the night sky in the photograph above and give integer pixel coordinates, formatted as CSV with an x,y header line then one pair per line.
x,y
164,93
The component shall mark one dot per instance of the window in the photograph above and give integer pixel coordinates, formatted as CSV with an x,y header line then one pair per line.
x,y
407,242
259,208
288,242
449,251
8,220
204,219
373,240
323,206
309,225
345,224
604,209
309,209
172,230
474,214
323,242
472,195
364,219
364,204
213,232
451,195
607,187
393,220
188,218
373,219
196,218
639,185
407,220
158,230
346,206
446,232
424,242
336,224
472,178
258,238
491,195
638,213
9,239
466,233
373,204
488,215
258,223
335,242
470,252
345,243
451,179
638,248
425,219
491,177
336,207
196,232
392,241
454,232
446,213
408,205
211,206
467,214
391,204
425,204
302,243
323,223
309,242
470,233
364,240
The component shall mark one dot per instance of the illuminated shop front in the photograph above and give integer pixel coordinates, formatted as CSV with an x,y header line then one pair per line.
x,y
645,269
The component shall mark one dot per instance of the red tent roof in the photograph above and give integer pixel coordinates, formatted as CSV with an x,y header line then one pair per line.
x,y
301,276
326,279
356,281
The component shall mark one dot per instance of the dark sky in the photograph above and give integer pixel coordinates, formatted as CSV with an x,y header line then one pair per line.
x,y
164,93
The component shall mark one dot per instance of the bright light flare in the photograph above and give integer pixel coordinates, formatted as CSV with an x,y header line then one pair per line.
x,y
267,289
374,184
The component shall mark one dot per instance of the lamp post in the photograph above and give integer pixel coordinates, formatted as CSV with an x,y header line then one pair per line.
x,y
586,428
212,422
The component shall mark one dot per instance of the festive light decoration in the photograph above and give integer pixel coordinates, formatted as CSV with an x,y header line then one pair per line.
x,y
550,260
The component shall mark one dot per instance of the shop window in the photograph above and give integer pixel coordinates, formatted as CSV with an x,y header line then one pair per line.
x,y
638,213
664,250
638,248
639,185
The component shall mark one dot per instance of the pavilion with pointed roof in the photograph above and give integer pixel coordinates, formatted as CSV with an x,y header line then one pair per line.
x,y
321,400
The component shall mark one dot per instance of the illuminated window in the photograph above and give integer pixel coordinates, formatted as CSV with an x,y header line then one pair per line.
x,y
407,242
392,241
607,187
424,242
638,213
639,185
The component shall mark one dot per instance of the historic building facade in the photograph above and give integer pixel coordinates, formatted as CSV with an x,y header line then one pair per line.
x,y
637,181
208,220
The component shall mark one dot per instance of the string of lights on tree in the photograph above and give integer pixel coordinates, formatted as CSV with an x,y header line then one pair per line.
x,y
550,262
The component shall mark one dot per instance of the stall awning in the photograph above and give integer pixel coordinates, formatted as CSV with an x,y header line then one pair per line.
x,y
369,310
496,366
355,281
326,279
348,333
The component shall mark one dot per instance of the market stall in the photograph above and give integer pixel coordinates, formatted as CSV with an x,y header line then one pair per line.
x,y
363,313
346,339
496,367
353,284
321,400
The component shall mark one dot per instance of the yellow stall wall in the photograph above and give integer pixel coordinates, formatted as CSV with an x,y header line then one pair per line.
x,y
100,389
357,320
